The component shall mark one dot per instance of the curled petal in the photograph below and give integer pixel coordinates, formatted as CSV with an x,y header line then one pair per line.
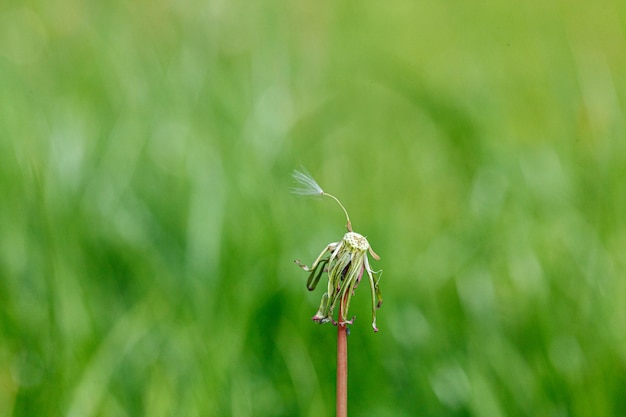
x,y
316,274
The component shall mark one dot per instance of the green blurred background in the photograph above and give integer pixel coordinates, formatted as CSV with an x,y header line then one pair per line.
x,y
148,234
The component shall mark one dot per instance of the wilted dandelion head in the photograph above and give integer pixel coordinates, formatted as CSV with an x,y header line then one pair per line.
x,y
345,262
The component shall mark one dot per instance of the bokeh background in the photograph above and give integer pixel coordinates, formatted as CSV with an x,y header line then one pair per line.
x,y
148,233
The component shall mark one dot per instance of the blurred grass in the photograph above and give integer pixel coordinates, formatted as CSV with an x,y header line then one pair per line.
x,y
148,233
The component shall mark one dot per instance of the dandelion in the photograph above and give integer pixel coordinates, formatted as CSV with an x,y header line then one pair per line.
x,y
345,262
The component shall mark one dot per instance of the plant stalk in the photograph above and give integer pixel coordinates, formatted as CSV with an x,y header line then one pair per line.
x,y
342,368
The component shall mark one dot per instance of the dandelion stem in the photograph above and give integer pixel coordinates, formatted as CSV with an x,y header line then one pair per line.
x,y
342,365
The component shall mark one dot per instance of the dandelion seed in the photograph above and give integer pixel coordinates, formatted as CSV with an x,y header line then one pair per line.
x,y
306,184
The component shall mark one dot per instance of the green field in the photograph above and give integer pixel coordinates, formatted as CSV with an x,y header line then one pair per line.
x,y
147,231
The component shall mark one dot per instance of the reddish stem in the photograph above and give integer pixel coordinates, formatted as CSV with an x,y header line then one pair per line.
x,y
342,366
